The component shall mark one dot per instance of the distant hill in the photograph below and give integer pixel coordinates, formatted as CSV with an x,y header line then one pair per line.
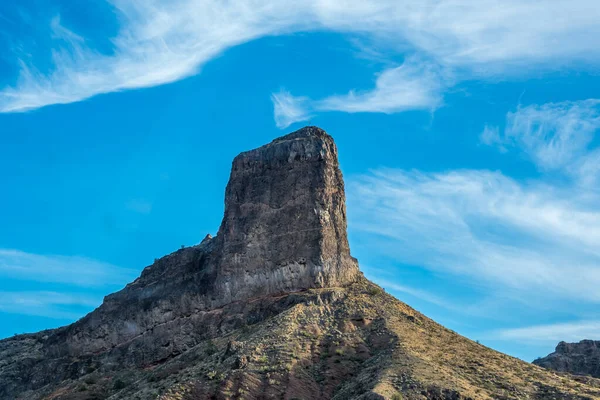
x,y
273,307
581,358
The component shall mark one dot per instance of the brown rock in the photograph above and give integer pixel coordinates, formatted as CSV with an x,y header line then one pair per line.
x,y
284,227
284,230
273,307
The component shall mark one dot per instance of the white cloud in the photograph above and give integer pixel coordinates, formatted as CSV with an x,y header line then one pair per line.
x,y
491,136
73,270
70,276
289,109
45,304
415,85
163,41
510,236
552,333
417,293
556,136
159,42
533,242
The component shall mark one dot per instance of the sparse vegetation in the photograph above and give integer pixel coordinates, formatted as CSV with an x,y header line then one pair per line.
x,y
216,376
263,359
211,348
358,336
119,384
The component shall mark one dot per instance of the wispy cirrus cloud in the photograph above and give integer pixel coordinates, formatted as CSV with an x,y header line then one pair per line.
x,y
555,136
61,287
538,236
46,304
414,292
163,41
288,109
159,42
491,137
485,226
551,333
415,85
73,270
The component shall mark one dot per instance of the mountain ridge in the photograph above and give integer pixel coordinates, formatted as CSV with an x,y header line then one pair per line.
x,y
273,307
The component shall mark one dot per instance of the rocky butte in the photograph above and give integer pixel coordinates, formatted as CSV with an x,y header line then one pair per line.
x,y
581,358
273,307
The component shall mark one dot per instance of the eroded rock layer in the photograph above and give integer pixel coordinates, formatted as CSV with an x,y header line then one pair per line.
x,y
284,231
272,307
284,227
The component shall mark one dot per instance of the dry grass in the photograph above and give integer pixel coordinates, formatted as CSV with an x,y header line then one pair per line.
x,y
344,343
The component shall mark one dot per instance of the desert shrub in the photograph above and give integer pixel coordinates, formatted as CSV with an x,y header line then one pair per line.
x,y
211,348
119,384
375,291
263,359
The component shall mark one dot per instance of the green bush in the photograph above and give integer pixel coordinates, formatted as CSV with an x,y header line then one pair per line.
x,y
375,291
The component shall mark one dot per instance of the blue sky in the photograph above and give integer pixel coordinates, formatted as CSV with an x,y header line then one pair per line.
x,y
466,131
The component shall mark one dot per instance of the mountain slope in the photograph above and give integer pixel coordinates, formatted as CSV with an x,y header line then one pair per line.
x,y
273,307
359,342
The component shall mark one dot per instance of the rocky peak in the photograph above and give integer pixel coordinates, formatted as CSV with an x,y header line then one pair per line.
x,y
230,317
581,358
284,231
284,227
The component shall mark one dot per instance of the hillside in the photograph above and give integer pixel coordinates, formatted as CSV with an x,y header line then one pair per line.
x,y
273,307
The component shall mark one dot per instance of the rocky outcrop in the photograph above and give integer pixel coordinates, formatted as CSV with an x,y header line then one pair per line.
x,y
272,307
284,227
581,358
284,231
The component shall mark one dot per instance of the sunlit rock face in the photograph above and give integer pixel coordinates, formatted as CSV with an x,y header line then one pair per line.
x,y
272,307
284,227
284,231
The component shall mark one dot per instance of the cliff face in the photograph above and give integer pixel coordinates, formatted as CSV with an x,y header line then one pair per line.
x,y
581,358
284,231
272,307
284,227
